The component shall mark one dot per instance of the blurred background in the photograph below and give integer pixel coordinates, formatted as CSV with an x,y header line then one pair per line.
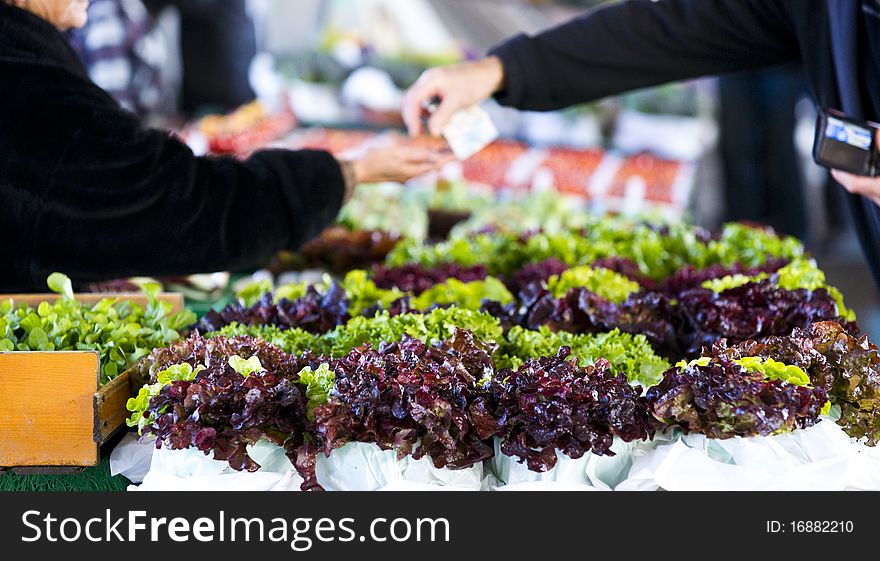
x,y
232,76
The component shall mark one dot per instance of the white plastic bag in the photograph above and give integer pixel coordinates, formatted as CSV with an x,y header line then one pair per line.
x,y
361,466
357,466
192,470
589,472
821,457
131,458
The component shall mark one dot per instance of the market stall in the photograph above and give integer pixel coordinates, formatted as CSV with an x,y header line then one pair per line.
x,y
617,355
600,353
540,315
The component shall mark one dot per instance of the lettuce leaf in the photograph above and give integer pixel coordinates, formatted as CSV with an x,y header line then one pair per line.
x,y
246,367
631,355
467,295
319,383
139,405
121,331
799,274
607,284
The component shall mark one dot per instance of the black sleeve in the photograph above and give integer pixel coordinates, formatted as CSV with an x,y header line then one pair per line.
x,y
640,43
123,200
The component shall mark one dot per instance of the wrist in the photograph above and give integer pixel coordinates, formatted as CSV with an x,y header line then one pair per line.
x,y
350,177
494,69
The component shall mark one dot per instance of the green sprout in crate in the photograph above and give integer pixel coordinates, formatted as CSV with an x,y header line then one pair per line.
x,y
121,331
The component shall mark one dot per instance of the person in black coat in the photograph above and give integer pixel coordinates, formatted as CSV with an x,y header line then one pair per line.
x,y
88,191
639,43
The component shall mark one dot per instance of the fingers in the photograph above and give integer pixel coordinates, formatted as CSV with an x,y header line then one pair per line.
x,y
414,155
859,185
417,169
419,162
412,112
442,115
400,163
429,85
434,83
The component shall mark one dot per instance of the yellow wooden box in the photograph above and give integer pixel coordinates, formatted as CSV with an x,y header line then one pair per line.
x,y
53,410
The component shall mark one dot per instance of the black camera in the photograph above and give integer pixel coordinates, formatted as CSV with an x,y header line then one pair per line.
x,y
845,144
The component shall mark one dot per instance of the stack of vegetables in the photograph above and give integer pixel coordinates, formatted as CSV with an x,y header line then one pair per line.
x,y
530,346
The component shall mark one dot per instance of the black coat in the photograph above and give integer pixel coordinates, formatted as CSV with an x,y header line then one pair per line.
x,y
85,190
639,43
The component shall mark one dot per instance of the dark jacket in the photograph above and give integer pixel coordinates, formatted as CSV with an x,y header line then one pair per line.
x,y
639,43
85,190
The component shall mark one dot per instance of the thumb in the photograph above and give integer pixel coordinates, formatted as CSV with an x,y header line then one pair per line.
x,y
442,115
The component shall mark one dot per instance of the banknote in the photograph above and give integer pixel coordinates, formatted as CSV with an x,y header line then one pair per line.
x,y
469,131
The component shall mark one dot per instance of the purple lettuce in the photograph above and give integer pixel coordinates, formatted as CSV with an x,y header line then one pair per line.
x,y
551,404
837,358
676,326
314,312
689,277
722,400
418,400
222,411
536,274
417,279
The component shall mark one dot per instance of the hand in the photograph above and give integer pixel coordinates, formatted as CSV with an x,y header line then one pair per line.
x,y
860,185
458,86
397,163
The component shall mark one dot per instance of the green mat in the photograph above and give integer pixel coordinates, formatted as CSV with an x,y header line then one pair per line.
x,y
97,478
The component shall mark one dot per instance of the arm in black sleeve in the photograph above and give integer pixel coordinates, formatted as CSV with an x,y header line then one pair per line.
x,y
123,200
640,43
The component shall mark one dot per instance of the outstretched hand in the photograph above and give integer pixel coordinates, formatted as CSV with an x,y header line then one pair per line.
x,y
860,185
457,87
397,163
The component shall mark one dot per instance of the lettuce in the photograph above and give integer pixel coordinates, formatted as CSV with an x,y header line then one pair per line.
x,y
775,370
141,403
467,295
658,251
319,383
122,332
293,341
607,284
800,274
246,367
437,325
631,355
363,293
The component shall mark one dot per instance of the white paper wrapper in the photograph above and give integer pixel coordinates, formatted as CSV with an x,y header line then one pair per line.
x,y
354,467
131,458
820,458
360,466
587,473
192,470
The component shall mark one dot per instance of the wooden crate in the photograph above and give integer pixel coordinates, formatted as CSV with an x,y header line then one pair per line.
x,y
53,411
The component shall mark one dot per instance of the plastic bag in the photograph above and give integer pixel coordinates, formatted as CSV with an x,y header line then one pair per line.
x,y
131,458
192,470
361,466
357,466
821,457
590,472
